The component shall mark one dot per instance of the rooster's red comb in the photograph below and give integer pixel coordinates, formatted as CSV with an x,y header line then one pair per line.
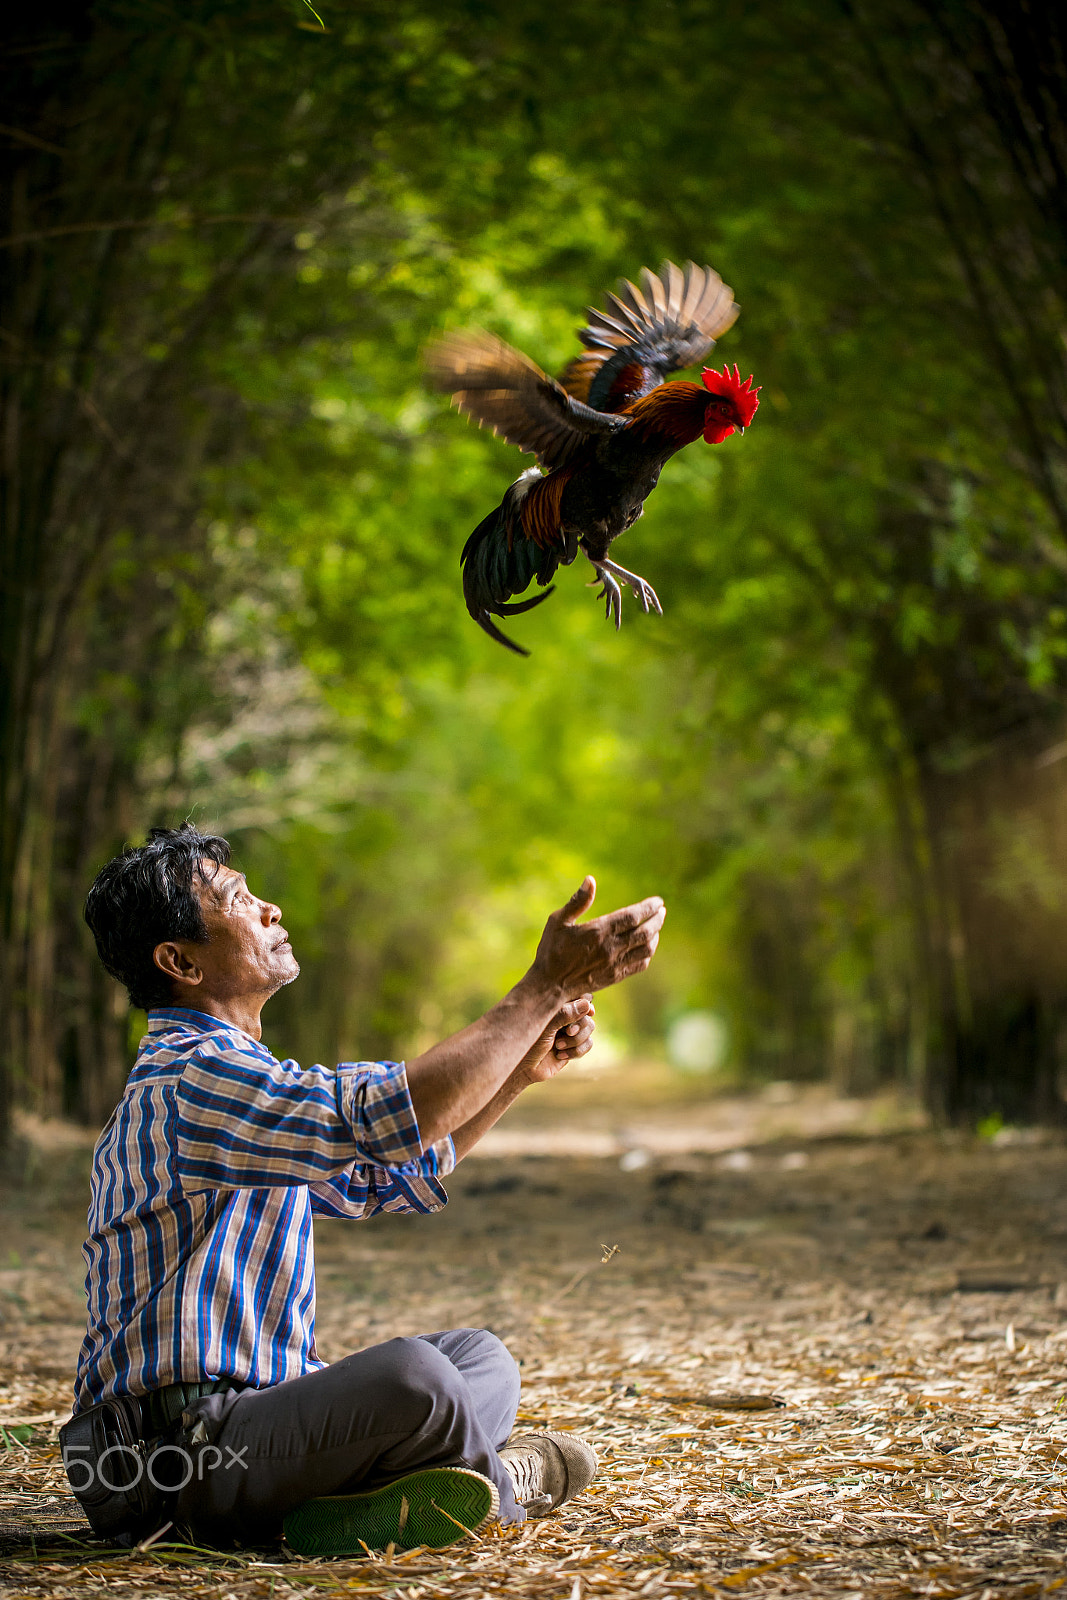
x,y
729,385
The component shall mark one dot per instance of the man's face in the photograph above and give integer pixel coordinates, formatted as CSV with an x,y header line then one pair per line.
x,y
248,953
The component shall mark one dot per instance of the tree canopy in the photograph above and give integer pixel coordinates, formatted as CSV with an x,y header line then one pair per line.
x,y
232,516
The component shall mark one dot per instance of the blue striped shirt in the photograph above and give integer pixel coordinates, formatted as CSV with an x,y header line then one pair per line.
x,y
205,1182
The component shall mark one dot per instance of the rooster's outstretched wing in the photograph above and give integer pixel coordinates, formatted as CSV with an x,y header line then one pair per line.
x,y
646,334
508,393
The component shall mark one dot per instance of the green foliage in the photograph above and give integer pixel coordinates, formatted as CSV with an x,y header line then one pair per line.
x,y
864,589
723,756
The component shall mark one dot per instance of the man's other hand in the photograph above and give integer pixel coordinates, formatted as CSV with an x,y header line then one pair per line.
x,y
568,1036
579,959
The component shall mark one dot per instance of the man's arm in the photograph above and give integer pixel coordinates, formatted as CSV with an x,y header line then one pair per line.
x,y
568,1036
454,1084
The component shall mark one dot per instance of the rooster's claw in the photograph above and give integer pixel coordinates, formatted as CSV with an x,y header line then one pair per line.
x,y
645,594
611,595
610,575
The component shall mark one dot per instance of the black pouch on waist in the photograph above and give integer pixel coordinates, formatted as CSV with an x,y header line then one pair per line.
x,y
107,1467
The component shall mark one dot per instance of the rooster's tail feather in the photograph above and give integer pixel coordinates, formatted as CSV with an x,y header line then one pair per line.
x,y
499,561
524,605
483,619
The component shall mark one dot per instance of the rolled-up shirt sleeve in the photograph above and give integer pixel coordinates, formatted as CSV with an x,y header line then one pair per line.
x,y
360,1191
247,1120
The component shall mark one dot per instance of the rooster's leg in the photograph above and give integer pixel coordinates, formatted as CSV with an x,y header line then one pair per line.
x,y
645,593
611,594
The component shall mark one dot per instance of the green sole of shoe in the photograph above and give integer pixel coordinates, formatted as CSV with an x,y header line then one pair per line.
x,y
435,1507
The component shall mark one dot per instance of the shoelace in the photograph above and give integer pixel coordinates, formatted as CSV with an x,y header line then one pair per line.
x,y
538,1505
525,1472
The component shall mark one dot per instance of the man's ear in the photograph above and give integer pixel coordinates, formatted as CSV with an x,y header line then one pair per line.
x,y
175,961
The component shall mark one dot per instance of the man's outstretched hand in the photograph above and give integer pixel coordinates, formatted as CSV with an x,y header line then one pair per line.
x,y
462,1085
579,958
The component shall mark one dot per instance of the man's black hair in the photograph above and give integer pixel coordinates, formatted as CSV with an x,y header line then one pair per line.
x,y
146,896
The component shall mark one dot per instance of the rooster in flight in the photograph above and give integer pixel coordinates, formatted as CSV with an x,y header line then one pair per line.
x,y
601,434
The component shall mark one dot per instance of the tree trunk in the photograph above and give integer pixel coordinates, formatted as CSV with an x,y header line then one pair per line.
x,y
998,980
103,435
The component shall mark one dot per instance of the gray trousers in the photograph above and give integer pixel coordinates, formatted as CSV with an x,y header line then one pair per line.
x,y
443,1399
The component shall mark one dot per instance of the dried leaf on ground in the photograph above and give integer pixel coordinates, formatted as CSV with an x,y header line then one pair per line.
x,y
917,1453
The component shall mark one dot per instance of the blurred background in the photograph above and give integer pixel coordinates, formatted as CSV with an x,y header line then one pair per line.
x,y
232,517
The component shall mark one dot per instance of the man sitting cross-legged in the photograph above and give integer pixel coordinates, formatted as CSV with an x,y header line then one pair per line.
x,y
201,1280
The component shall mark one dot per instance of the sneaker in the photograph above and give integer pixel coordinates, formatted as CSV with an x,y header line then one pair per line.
x,y
435,1506
548,1468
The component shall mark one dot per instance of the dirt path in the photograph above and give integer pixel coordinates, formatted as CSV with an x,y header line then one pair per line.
x,y
902,1295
